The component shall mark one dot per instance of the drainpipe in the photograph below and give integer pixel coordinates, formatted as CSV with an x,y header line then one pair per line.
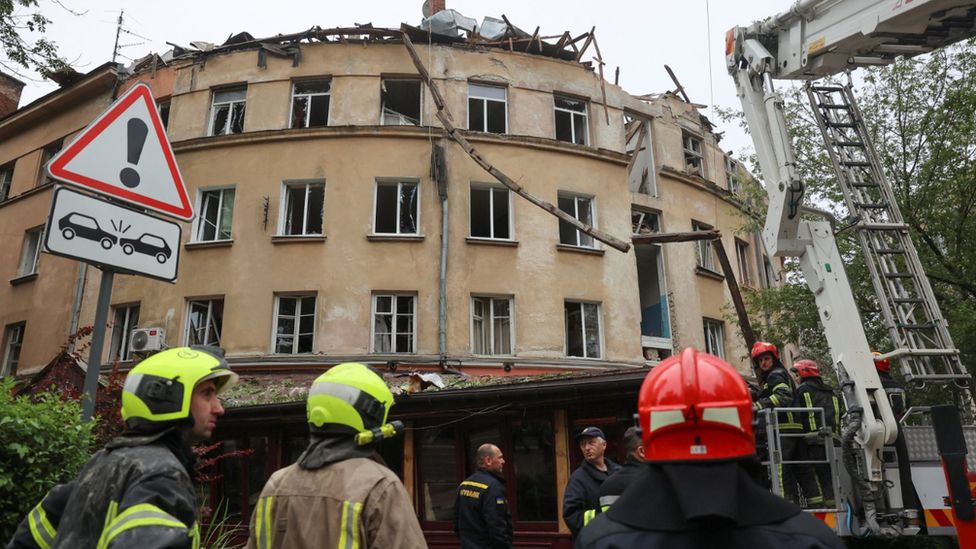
x,y
438,169
76,308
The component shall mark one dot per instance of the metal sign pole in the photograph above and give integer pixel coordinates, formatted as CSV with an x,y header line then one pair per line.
x,y
98,339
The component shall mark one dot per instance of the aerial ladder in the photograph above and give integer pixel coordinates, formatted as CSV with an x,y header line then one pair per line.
x,y
812,40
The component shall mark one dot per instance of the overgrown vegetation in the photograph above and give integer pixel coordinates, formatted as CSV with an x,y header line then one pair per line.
x,y
42,443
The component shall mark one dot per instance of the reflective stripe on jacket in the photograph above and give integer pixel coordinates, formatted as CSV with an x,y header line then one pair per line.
x,y
814,393
355,503
482,519
776,391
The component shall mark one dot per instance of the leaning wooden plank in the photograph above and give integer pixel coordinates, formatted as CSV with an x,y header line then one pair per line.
x,y
664,238
582,50
735,294
603,82
444,116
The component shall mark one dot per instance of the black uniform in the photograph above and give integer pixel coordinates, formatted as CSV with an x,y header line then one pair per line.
x,y
896,394
136,492
482,519
618,482
703,506
40,526
814,393
898,398
583,493
777,391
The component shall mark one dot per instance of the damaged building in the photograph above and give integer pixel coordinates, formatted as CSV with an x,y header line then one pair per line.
x,y
337,221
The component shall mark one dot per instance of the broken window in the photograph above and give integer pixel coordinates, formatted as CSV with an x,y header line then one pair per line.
x,y
6,178
706,255
304,210
570,119
487,108
13,340
46,155
491,325
644,222
583,329
216,214
163,108
732,174
124,319
310,103
743,257
400,101
652,288
227,112
490,215
642,173
393,323
204,322
294,324
714,337
30,251
693,154
580,207
397,207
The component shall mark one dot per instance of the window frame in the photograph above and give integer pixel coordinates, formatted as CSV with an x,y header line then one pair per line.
x,y
393,325
213,110
742,258
705,257
688,142
286,209
720,326
24,252
599,317
130,322
201,210
484,105
187,328
731,174
420,106
490,319
296,332
47,153
7,179
576,197
585,113
399,181
12,348
491,211
308,110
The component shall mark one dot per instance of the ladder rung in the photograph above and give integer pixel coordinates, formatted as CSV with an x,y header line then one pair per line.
x,y
866,206
827,88
926,326
855,164
907,300
840,124
834,106
929,352
883,226
899,275
849,143
862,184
889,251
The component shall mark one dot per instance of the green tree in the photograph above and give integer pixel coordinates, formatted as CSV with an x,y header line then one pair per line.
x,y
42,442
22,28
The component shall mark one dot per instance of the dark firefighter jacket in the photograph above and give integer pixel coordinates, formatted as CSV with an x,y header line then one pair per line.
x,y
38,529
776,391
136,492
583,493
812,392
619,481
896,394
703,506
482,518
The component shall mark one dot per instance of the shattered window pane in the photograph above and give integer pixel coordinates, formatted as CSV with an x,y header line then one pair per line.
x,y
693,154
205,321
408,209
642,222
591,326
304,208
581,208
227,111
583,329
714,338
393,323
574,329
570,120
295,325
310,103
487,108
216,215
401,102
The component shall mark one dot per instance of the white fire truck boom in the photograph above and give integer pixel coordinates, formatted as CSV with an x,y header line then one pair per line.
x,y
814,39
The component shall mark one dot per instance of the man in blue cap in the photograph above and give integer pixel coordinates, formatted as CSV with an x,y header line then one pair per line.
x,y
582,496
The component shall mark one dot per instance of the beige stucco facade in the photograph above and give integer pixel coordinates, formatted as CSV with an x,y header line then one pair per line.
x,y
349,263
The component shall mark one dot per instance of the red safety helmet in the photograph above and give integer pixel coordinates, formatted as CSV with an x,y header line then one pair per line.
x,y
695,407
806,368
881,364
761,347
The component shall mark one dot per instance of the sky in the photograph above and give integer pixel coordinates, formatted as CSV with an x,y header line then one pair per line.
x,y
640,37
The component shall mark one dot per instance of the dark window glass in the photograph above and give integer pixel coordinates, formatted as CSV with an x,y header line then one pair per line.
x,y
496,117
535,469
574,329
500,213
438,473
476,115
481,213
401,102
386,208
567,232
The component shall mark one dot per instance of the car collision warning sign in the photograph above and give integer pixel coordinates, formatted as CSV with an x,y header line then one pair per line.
x,y
125,154
109,235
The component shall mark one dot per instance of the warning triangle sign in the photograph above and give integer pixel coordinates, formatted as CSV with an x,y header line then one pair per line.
x,y
125,154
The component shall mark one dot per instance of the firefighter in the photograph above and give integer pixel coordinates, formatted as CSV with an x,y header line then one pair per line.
x,y
813,392
339,493
699,489
616,483
581,499
892,387
138,491
776,391
482,519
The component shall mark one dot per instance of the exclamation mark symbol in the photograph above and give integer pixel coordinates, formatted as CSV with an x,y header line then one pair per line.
x,y
136,133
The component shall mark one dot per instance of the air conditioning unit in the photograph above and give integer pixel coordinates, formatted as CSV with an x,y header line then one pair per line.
x,y
147,339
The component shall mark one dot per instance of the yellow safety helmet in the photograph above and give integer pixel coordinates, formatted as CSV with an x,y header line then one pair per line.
x,y
158,390
348,398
